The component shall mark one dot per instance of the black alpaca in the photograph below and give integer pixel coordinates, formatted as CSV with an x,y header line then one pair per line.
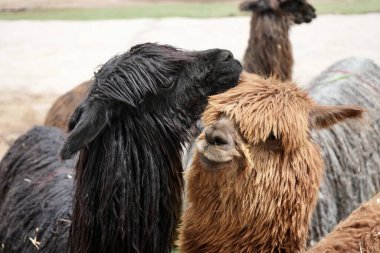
x,y
128,182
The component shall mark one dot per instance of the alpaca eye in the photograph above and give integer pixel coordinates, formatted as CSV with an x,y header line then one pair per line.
x,y
273,142
271,137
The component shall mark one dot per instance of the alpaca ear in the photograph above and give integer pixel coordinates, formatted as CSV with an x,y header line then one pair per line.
x,y
87,121
75,117
255,5
322,116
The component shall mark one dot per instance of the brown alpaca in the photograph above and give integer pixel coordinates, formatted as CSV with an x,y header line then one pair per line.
x,y
360,232
269,49
60,113
255,176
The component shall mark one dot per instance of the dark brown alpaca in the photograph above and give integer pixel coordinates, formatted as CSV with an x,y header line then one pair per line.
x,y
269,49
60,113
255,176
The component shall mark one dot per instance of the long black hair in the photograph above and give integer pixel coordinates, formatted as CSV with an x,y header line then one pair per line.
x,y
130,130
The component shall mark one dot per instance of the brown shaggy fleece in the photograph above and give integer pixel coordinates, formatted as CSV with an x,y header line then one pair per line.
x,y
255,176
360,232
269,49
62,109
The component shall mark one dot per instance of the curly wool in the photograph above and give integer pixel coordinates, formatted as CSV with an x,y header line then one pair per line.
x,y
351,157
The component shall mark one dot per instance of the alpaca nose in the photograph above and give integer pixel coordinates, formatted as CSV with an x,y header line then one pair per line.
x,y
225,55
217,137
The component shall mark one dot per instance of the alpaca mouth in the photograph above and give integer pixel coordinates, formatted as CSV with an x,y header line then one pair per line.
x,y
228,74
234,69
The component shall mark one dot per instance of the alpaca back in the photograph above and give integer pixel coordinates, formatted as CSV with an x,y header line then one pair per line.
x,y
351,157
60,112
35,193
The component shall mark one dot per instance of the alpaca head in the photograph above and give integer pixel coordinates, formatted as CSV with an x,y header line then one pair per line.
x,y
256,171
263,117
152,79
299,11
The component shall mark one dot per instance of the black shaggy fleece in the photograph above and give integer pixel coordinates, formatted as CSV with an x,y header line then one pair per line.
x,y
36,192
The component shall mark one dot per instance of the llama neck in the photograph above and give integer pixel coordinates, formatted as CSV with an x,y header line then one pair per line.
x,y
128,188
269,49
269,213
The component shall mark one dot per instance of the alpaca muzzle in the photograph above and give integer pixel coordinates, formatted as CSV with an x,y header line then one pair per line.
x,y
218,137
216,144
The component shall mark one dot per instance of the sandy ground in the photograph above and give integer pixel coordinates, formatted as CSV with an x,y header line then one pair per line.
x,y
41,60
52,4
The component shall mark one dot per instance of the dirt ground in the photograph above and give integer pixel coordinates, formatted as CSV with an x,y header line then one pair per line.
x,y
18,112
41,60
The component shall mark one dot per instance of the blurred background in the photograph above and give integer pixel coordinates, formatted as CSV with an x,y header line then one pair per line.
x,y
48,47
